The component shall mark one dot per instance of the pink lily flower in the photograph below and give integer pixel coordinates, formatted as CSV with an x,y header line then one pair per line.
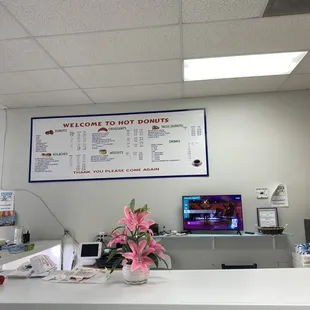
x,y
119,237
158,248
139,256
129,219
142,223
135,220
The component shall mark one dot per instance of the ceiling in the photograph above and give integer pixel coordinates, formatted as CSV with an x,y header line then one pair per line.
x,y
62,52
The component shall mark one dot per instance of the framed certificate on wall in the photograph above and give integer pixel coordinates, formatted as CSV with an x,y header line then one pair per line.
x,y
267,217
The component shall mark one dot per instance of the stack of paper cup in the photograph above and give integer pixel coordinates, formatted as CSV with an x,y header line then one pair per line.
x,y
301,256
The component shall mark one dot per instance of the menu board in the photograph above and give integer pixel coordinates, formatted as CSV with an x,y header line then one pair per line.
x,y
114,146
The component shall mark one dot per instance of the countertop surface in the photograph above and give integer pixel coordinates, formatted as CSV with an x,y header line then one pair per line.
x,y
256,287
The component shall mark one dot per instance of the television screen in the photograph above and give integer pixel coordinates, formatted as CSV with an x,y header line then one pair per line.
x,y
212,212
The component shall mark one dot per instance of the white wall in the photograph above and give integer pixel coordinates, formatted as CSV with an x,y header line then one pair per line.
x,y
253,140
2,129
5,232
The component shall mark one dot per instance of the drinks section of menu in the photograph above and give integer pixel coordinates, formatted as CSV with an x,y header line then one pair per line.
x,y
92,147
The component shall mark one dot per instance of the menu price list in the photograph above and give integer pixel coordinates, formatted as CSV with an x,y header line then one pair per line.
x,y
170,143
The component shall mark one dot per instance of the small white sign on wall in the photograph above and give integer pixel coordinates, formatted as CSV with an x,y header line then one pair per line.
x,y
6,201
262,193
279,197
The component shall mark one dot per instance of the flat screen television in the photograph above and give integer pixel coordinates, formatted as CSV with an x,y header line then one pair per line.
x,y
212,212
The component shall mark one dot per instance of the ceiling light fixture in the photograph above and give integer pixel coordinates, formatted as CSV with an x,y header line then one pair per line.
x,y
241,66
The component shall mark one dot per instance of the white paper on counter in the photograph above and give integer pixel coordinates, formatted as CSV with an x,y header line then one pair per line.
x,y
279,197
42,264
80,275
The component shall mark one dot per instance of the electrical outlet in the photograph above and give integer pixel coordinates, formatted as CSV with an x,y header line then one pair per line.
x,y
262,193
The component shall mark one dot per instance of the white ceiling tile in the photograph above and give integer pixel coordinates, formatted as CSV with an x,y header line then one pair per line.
x,y
45,17
200,11
9,28
250,36
233,86
296,81
2,107
44,99
23,54
112,47
135,93
33,81
304,65
155,72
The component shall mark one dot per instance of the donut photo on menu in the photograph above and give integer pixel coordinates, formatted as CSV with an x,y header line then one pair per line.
x,y
103,152
49,132
197,163
102,129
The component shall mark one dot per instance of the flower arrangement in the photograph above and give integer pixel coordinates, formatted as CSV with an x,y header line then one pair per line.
x,y
139,249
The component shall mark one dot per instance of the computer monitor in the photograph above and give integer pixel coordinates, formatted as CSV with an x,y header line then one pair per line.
x,y
212,212
90,250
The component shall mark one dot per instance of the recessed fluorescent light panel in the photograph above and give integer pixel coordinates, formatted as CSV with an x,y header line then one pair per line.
x,y
241,66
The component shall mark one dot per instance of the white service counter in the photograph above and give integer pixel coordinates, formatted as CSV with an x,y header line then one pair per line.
x,y
268,289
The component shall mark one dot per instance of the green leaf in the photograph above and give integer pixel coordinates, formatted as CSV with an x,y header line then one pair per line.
x,y
148,238
116,263
144,208
154,258
118,227
126,248
142,234
112,254
132,204
161,259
